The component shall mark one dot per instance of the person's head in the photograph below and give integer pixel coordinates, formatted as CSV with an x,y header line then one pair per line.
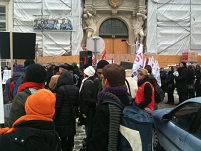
x,y
113,75
89,71
6,68
190,67
142,73
48,65
197,67
74,64
35,73
149,69
28,62
182,64
41,103
85,66
161,69
62,68
177,66
171,69
65,67
100,65
56,70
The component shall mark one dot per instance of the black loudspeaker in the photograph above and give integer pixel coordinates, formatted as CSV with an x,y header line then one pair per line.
x,y
85,57
23,45
126,64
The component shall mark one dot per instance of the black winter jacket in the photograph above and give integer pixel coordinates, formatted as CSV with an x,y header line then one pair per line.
x,y
86,94
67,97
31,136
170,81
190,77
181,80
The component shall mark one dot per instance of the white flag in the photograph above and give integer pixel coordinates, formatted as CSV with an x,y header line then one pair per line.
x,y
154,68
138,63
157,75
151,62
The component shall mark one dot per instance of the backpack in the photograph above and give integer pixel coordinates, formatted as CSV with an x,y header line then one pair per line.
x,y
11,88
135,132
159,94
17,84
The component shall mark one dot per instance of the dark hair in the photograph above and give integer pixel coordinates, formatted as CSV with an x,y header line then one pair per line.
x,y
172,68
115,74
197,66
149,69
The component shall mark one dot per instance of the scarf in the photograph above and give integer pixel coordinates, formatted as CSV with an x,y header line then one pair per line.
x,y
34,85
121,90
23,119
83,83
99,84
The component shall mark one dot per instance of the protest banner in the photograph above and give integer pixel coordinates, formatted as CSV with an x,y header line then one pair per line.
x,y
6,76
138,63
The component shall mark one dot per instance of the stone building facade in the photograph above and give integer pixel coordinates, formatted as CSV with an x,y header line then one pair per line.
x,y
119,22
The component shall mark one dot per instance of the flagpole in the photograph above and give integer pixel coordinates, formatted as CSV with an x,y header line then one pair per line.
x,y
11,51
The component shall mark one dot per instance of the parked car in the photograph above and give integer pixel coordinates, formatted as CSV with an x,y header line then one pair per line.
x,y
179,128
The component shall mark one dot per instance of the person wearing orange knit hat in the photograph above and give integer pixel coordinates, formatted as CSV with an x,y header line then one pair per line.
x,y
35,130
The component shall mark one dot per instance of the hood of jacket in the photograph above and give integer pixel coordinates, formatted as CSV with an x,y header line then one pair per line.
x,y
65,78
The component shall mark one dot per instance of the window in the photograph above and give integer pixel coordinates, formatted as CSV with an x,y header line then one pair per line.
x,y
198,130
185,114
2,18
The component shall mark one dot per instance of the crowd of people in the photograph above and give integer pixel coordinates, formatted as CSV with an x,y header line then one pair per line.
x,y
185,79
47,100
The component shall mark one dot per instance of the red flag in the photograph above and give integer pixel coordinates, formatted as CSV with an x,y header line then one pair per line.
x,y
104,56
85,60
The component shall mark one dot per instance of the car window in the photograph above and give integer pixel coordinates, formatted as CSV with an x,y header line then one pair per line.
x,y
198,130
183,116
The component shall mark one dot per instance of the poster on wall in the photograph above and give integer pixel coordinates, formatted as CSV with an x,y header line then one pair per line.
x,y
45,22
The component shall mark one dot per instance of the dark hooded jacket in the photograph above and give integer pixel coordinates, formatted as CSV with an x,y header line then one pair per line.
x,y
31,136
86,93
181,80
67,97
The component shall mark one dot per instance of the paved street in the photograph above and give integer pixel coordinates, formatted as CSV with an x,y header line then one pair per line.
x,y
80,129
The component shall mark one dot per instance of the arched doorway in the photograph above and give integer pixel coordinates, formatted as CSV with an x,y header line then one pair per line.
x,y
113,31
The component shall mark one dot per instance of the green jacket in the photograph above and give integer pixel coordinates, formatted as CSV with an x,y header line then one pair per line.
x,y
18,106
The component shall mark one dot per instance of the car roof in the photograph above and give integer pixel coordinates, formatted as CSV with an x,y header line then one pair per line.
x,y
197,100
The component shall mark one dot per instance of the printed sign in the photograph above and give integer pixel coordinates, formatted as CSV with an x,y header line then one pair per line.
x,y
6,76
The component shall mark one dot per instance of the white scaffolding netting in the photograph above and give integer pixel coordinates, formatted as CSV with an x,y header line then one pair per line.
x,y
52,42
173,26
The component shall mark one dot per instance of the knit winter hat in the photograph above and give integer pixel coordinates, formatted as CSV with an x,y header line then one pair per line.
x,y
28,62
89,71
101,64
35,73
67,67
41,103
